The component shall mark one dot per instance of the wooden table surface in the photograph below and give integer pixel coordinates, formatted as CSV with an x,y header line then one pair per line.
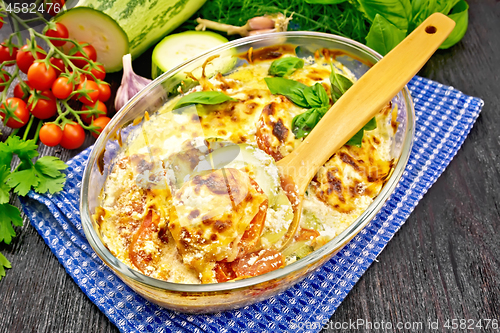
x,y
443,264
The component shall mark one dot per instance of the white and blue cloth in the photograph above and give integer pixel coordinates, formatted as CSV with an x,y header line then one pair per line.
x,y
444,118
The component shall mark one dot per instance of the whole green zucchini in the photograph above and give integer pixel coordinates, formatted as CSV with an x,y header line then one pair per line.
x,y
143,21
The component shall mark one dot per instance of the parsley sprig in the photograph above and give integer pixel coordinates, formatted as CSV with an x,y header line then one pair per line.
x,y
43,175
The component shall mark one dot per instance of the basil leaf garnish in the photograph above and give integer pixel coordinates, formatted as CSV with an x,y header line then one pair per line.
x,y
203,97
303,123
357,139
316,96
292,89
285,66
339,84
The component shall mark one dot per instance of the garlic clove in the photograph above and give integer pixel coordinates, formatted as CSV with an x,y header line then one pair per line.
x,y
131,83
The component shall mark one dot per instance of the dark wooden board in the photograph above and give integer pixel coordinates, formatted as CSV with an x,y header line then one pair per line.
x,y
442,265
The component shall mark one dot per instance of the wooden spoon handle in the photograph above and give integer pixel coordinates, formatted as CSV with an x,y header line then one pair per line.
x,y
365,98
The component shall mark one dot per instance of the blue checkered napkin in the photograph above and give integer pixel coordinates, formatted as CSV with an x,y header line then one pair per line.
x,y
444,118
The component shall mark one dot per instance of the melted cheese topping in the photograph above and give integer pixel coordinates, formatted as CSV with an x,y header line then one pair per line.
x,y
150,215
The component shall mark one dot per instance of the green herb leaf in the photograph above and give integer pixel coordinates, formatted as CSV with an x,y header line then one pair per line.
x,y
25,149
339,84
357,139
326,2
303,123
420,10
3,263
50,166
316,96
459,14
203,97
9,215
4,188
384,36
292,89
22,181
398,12
285,66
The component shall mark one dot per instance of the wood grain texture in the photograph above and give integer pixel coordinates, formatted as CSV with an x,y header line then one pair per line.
x,y
442,264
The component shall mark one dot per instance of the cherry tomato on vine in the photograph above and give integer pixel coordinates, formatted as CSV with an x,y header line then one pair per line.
x,y
40,76
58,65
90,54
104,91
21,112
20,93
54,7
86,118
1,22
99,72
44,108
3,78
73,136
93,93
100,122
50,134
60,32
24,59
6,55
62,87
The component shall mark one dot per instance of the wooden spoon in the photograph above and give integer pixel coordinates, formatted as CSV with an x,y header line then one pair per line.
x,y
357,106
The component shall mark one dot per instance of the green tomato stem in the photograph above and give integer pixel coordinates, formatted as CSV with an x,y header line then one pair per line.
x,y
37,133
28,127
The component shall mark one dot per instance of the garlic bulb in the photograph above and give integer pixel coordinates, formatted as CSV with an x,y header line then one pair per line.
x,y
131,83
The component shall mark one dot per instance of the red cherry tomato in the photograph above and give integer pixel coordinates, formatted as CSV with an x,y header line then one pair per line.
x,y
104,91
51,134
92,92
20,112
20,93
62,87
99,72
3,78
54,7
100,122
44,108
73,136
60,32
24,59
40,76
1,22
58,65
90,53
6,55
86,118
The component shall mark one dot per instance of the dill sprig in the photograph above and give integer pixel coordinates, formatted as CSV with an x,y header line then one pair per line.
x,y
342,19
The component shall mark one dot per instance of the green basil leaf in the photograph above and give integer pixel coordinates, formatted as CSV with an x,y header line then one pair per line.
x,y
357,139
303,123
292,89
285,66
371,125
459,14
398,12
384,36
420,10
316,96
326,2
444,6
339,84
203,97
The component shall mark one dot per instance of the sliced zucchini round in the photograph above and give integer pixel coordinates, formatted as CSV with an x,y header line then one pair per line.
x,y
101,31
177,48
